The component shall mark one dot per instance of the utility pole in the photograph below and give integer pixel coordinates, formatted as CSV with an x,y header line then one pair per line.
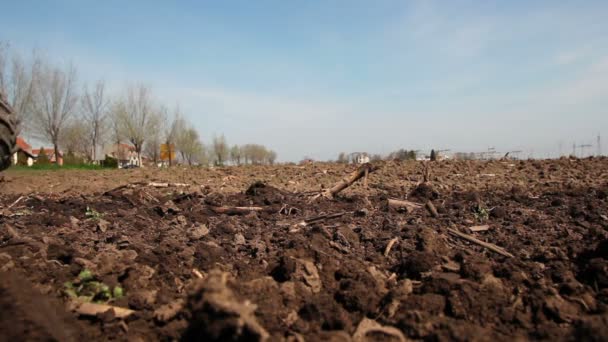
x,y
574,149
491,152
599,145
582,147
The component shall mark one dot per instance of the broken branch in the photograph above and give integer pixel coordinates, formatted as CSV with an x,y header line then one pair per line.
x,y
166,185
487,245
17,201
400,205
479,228
240,210
390,246
306,222
362,171
93,309
431,208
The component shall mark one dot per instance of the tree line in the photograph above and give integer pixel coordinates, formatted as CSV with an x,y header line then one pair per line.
x,y
400,154
53,106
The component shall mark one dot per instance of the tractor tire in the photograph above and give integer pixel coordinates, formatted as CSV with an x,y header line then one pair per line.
x,y
8,134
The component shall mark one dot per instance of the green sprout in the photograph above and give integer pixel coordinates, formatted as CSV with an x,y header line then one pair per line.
x,y
85,275
87,288
118,292
481,213
93,214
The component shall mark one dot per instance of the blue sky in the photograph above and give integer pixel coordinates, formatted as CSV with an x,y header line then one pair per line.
x,y
319,77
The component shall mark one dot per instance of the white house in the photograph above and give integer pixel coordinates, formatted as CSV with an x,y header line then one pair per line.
x,y
26,149
360,157
124,153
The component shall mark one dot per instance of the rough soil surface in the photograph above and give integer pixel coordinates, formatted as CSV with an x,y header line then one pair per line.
x,y
190,272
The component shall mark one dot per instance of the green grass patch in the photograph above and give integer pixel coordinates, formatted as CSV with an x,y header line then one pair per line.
x,y
53,167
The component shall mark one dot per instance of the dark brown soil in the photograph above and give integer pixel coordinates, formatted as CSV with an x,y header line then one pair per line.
x,y
190,273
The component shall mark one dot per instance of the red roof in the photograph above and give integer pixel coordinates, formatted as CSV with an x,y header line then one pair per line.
x,y
22,144
48,151
127,147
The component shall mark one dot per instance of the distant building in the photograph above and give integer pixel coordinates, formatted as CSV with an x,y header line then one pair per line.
x,y
25,151
360,157
125,154
50,153
307,161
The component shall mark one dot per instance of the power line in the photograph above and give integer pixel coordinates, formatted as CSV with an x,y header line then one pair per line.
x,y
574,149
582,147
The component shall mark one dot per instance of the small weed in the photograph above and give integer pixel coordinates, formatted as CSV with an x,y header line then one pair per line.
x,y
93,214
481,213
118,292
85,275
88,288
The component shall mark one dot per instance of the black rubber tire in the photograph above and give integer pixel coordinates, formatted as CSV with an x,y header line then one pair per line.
x,y
8,140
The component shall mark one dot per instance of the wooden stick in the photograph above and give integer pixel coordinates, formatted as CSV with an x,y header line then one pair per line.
x,y
390,245
403,204
487,245
166,185
197,273
93,309
239,210
483,228
17,201
431,208
325,217
348,181
306,222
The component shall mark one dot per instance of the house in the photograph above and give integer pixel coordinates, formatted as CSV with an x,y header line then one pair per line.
x,y
26,152
307,161
124,153
359,157
50,153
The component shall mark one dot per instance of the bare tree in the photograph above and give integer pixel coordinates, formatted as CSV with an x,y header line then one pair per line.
x,y
117,111
190,145
18,79
152,147
155,139
139,118
220,149
235,155
54,103
75,139
172,132
95,106
271,157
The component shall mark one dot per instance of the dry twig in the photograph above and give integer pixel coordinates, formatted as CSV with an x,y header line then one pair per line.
x,y
431,208
93,309
240,210
482,228
487,245
361,172
390,246
306,222
403,204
